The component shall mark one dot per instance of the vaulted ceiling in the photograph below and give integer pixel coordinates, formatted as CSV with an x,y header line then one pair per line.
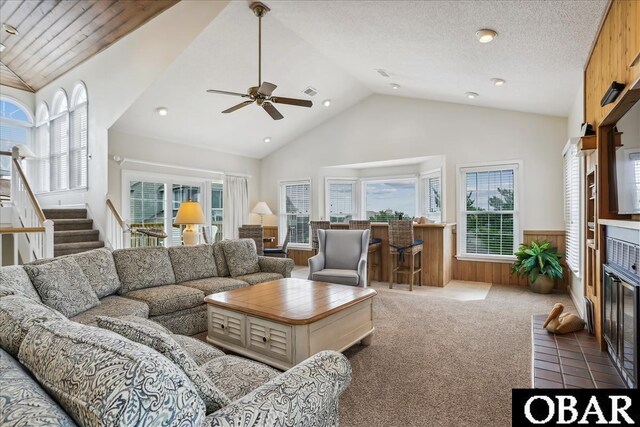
x,y
53,36
428,48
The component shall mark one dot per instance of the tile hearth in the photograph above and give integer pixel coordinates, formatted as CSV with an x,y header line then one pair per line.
x,y
570,361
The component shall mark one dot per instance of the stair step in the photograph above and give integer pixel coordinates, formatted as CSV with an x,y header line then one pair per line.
x,y
65,213
72,224
75,236
74,248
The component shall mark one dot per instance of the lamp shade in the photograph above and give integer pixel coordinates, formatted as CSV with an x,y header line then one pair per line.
x,y
261,208
189,213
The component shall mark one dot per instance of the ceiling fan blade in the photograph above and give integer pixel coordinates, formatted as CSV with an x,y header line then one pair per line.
x,y
266,88
224,92
237,107
273,112
291,101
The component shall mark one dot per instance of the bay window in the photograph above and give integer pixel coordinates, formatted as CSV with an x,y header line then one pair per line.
x,y
390,198
340,200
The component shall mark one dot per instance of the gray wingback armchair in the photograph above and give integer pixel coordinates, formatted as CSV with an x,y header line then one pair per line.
x,y
342,257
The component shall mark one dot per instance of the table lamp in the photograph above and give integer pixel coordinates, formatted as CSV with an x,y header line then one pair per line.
x,y
189,214
262,209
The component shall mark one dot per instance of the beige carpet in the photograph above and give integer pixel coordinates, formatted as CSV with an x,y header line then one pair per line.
x,y
438,360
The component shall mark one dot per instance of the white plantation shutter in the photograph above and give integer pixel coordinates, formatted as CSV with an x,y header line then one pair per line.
x,y
635,158
341,203
295,208
78,147
432,193
42,162
572,208
59,166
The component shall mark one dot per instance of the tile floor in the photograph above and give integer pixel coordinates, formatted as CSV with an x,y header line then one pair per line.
x,y
570,361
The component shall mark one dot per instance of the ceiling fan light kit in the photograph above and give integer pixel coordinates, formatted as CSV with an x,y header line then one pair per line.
x,y
262,93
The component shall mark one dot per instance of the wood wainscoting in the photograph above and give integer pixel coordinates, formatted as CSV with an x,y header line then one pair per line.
x,y
500,272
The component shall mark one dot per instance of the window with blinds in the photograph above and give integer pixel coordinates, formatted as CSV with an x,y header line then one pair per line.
x,y
489,215
572,207
340,203
431,197
78,147
59,154
295,211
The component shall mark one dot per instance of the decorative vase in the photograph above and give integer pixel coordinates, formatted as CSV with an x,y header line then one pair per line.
x,y
542,285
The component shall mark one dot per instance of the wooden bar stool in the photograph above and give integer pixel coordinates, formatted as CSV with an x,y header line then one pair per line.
x,y
315,226
375,248
401,244
254,232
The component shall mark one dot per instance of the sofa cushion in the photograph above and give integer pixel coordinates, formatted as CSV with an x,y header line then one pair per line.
x,y
241,256
114,306
168,347
63,286
236,376
167,299
200,351
332,275
100,269
18,314
221,262
141,268
191,321
213,285
192,262
101,378
24,401
144,322
15,280
255,278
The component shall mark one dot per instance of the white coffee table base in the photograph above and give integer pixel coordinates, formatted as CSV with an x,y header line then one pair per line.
x,y
284,345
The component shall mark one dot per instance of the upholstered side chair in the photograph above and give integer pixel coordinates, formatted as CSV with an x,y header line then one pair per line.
x,y
341,258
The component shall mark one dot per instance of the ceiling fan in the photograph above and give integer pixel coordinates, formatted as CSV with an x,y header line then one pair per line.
x,y
262,93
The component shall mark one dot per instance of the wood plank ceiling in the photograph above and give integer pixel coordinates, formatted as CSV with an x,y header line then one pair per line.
x,y
55,36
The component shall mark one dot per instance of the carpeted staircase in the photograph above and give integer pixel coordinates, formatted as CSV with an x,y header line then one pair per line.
x,y
73,232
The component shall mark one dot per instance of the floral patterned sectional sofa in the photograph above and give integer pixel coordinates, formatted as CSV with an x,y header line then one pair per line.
x,y
102,339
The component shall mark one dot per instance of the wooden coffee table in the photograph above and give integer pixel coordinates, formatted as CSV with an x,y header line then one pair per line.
x,y
285,321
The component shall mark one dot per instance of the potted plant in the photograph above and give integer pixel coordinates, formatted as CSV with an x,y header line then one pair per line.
x,y
540,263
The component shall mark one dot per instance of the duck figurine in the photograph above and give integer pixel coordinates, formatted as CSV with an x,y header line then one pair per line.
x,y
558,323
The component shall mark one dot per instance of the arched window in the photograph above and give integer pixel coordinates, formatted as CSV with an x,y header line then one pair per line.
x,y
78,140
42,172
16,123
59,154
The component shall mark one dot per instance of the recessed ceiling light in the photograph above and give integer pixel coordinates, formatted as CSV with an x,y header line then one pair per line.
x,y
326,102
162,111
472,95
2,47
267,139
395,86
486,35
498,82
10,29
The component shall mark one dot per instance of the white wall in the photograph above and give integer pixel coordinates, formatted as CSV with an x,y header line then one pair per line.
x,y
384,127
576,117
116,77
135,147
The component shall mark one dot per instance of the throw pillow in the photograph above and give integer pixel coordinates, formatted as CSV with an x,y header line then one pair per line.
x,y
18,314
221,262
141,268
63,286
103,379
241,256
213,398
14,280
192,262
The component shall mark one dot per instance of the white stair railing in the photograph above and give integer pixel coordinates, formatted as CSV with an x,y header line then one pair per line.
x,y
33,233
117,229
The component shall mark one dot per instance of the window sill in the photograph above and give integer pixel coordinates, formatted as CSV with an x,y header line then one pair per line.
x,y
72,190
299,247
506,259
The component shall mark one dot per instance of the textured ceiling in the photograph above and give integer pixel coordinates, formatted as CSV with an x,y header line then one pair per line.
x,y
428,47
